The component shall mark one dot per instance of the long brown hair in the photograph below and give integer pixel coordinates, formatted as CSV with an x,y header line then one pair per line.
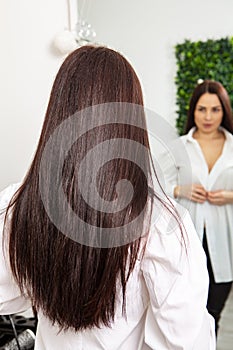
x,y
74,284
212,87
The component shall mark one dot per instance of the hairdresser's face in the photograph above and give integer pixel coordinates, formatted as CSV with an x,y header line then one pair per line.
x,y
208,113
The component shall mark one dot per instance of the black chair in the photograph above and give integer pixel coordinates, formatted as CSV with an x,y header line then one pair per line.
x,y
10,325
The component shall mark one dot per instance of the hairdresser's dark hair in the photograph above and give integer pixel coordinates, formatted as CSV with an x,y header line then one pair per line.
x,y
212,87
76,285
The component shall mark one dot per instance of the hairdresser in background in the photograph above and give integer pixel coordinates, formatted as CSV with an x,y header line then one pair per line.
x,y
142,288
208,195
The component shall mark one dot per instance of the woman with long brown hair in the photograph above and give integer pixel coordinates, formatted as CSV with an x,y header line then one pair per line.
x,y
208,193
86,238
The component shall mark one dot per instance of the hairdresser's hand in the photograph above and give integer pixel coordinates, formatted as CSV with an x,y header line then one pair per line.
x,y
194,192
220,197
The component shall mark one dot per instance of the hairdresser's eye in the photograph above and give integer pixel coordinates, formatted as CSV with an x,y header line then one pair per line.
x,y
216,109
201,109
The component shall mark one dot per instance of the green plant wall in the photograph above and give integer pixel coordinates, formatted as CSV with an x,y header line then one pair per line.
x,y
211,59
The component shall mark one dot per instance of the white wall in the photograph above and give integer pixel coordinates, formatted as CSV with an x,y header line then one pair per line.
x,y
144,31
27,70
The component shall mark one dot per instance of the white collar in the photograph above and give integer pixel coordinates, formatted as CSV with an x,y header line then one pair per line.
x,y
190,138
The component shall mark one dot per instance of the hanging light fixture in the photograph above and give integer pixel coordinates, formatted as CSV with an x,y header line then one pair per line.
x,y
84,32
76,35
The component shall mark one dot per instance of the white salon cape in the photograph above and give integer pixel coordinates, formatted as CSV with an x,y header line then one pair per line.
x,y
184,162
166,297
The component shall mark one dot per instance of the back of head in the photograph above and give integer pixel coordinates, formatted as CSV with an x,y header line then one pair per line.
x,y
212,87
93,75
63,272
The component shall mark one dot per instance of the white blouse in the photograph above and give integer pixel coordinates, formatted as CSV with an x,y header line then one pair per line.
x,y
166,297
218,220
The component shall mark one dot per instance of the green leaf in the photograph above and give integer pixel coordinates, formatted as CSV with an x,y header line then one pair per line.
x,y
210,59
